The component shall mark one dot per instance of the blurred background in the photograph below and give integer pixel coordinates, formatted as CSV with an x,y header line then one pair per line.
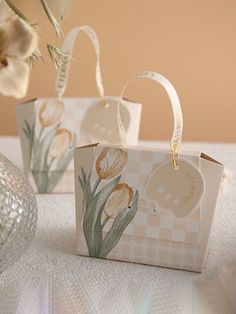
x,y
192,43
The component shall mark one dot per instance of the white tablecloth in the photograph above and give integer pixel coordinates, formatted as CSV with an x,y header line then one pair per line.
x,y
50,278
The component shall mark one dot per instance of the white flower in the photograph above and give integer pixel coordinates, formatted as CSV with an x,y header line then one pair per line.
x,y
5,12
17,42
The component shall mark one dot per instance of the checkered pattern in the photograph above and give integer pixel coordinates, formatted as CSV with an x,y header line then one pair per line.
x,y
75,109
172,254
75,113
150,222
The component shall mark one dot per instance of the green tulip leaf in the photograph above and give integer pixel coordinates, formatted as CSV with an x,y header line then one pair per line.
x,y
82,184
28,130
39,159
118,227
41,179
86,188
29,134
92,218
41,150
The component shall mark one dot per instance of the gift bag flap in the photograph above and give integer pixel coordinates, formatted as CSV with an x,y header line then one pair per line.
x,y
149,221
213,173
209,158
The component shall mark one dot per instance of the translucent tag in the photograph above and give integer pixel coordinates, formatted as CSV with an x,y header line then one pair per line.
x,y
179,190
100,121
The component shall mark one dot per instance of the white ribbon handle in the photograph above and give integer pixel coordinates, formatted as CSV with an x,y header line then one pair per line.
x,y
68,45
176,139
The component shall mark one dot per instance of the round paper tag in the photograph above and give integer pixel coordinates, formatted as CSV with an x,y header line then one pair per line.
x,y
100,121
179,190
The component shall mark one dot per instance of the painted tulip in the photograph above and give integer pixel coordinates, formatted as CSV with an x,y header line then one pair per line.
x,y
111,162
50,112
18,41
60,143
119,199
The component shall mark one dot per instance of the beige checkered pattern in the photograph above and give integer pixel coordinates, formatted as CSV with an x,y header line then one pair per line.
x,y
74,113
75,109
149,251
150,222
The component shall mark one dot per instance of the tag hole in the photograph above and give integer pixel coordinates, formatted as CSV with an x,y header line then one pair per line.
x,y
105,104
157,211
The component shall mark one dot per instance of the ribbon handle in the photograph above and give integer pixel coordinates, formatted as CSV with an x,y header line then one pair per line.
x,y
64,69
175,143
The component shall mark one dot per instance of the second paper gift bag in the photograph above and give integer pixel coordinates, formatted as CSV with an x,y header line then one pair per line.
x,y
50,129
146,205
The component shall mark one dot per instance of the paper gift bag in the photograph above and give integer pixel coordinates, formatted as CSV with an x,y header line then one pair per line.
x,y
146,205
49,129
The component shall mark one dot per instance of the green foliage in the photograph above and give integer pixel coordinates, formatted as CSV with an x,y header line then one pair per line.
x,y
40,150
49,6
118,227
45,179
92,217
94,205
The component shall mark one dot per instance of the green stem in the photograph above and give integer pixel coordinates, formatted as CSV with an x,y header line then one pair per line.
x,y
51,162
17,11
105,221
41,180
40,134
51,17
31,140
96,185
35,144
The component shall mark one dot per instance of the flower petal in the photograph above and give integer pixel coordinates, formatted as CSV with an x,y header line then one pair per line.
x,y
60,143
118,200
21,40
51,112
5,12
111,162
14,78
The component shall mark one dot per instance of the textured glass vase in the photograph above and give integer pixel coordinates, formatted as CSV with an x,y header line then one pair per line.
x,y
18,213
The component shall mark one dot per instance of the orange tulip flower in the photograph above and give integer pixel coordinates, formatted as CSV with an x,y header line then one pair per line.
x,y
60,143
111,162
119,199
50,112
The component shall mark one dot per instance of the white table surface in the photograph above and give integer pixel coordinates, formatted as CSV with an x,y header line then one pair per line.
x,y
51,278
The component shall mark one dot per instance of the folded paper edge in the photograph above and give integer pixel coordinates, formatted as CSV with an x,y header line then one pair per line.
x,y
209,158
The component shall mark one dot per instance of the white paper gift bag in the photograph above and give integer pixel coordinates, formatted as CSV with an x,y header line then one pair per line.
x,y
49,129
146,205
